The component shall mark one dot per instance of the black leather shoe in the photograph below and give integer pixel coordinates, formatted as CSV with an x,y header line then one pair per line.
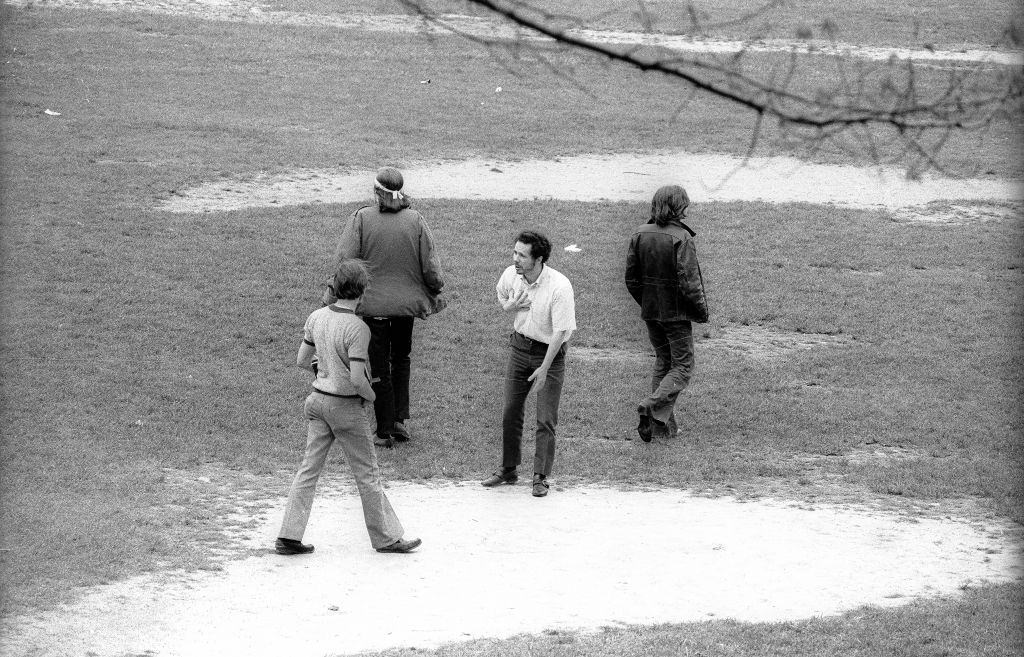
x,y
540,486
500,477
644,428
400,434
384,441
291,546
401,546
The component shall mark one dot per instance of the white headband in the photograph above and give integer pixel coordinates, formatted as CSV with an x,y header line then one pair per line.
x,y
395,194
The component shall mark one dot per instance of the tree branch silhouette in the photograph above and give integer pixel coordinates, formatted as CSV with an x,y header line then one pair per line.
x,y
972,99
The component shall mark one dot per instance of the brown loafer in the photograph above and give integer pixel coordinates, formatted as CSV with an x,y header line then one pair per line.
x,y
400,434
401,546
540,486
499,478
291,546
644,428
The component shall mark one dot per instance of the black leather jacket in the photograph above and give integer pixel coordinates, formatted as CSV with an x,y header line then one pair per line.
x,y
663,275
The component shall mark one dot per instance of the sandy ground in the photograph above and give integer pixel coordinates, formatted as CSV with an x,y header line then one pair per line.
x,y
613,177
582,558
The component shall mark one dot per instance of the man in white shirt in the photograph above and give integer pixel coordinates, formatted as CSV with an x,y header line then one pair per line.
x,y
543,306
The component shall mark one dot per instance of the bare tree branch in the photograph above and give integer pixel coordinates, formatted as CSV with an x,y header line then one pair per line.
x,y
894,101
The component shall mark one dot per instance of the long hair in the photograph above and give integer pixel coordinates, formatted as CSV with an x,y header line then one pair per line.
x,y
387,186
670,202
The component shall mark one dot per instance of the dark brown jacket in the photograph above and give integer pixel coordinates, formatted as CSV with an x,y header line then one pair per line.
x,y
663,276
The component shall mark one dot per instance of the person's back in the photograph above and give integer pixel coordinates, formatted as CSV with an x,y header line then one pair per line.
x,y
663,275
406,283
339,335
334,347
398,249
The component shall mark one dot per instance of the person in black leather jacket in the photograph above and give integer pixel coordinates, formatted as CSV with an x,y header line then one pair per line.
x,y
663,276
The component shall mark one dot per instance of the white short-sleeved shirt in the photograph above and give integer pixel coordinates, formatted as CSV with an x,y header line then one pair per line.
x,y
552,303
340,337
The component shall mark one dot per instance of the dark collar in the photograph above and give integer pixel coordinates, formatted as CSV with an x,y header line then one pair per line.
x,y
674,222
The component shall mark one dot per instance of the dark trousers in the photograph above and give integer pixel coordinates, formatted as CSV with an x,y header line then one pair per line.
x,y
525,356
390,346
673,366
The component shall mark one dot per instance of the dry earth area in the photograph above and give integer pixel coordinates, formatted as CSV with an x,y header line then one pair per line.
x,y
747,341
610,177
607,557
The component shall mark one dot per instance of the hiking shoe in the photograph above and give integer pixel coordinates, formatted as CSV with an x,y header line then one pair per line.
x,y
401,546
644,428
500,477
400,434
291,546
540,486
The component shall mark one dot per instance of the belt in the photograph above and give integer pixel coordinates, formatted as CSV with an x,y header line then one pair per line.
x,y
333,394
530,341
534,345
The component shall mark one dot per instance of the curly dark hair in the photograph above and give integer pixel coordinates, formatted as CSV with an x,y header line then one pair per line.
x,y
540,246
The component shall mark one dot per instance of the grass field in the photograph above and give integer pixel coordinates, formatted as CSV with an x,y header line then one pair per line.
x,y
135,340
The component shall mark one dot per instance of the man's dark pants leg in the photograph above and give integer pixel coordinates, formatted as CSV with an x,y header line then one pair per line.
x,y
387,335
523,359
401,364
673,366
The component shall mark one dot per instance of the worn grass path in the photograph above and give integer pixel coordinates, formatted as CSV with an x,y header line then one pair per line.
x,y
496,563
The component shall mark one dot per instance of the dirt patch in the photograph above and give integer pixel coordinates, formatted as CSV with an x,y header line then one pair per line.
x,y
760,343
607,354
618,177
749,341
940,214
239,499
761,560
496,30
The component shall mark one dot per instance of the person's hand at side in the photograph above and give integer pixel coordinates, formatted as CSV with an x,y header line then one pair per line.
x,y
360,381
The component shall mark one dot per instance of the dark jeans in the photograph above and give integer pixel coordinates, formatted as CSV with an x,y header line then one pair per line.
x,y
390,345
524,357
673,365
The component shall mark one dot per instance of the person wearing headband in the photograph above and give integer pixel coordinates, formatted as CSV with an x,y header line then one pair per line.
x,y
405,284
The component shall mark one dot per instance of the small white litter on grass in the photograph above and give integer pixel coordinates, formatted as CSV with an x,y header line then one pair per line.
x,y
604,556
706,177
